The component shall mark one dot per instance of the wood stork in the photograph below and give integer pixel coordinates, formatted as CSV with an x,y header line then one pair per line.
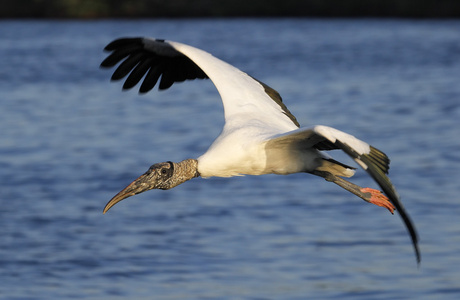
x,y
260,135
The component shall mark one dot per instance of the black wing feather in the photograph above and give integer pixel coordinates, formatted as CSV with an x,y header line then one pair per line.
x,y
138,72
154,57
151,78
127,65
167,78
325,144
377,166
118,55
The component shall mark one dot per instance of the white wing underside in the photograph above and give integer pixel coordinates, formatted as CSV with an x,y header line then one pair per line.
x,y
244,99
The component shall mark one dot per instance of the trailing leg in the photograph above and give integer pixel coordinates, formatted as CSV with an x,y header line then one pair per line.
x,y
367,194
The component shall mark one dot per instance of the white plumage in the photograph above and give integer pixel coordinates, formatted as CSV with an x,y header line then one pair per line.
x,y
260,135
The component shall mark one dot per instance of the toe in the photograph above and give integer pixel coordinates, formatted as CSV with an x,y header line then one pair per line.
x,y
376,197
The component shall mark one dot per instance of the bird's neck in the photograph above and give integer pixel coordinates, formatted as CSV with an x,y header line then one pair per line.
x,y
185,170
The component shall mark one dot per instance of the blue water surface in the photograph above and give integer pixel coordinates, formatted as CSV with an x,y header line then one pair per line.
x,y
70,140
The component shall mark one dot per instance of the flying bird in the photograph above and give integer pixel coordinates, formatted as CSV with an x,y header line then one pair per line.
x,y
260,135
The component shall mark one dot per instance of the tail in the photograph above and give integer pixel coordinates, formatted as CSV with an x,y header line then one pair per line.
x,y
336,168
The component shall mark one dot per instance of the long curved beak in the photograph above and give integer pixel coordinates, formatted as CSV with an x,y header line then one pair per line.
x,y
136,187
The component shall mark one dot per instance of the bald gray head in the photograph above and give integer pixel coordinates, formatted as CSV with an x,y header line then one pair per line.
x,y
163,176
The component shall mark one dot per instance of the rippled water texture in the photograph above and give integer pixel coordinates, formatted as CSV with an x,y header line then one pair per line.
x,y
70,140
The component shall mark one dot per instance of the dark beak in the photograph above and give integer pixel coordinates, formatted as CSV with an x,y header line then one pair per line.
x,y
138,186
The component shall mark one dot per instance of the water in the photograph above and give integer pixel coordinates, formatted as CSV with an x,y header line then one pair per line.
x,y
70,140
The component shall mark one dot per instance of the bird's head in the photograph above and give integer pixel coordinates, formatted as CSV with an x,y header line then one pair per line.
x,y
163,176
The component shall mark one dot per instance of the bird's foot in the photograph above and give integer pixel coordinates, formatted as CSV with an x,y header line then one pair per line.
x,y
379,199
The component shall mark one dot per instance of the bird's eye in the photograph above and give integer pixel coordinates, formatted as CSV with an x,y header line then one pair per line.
x,y
164,171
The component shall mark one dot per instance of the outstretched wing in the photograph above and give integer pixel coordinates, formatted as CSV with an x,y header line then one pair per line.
x,y
138,60
374,161
244,98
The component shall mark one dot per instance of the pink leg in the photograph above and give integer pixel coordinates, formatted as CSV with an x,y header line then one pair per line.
x,y
367,194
